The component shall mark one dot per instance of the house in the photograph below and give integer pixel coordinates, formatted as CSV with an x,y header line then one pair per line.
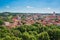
x,y
7,23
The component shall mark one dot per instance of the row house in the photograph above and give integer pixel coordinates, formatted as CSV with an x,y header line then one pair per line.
x,y
15,23
29,21
48,20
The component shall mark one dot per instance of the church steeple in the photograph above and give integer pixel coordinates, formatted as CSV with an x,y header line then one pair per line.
x,y
54,14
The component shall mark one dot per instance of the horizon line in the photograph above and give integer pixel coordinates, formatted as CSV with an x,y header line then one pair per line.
x,y
28,12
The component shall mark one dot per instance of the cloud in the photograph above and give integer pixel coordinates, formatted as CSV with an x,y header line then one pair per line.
x,y
7,6
29,7
48,8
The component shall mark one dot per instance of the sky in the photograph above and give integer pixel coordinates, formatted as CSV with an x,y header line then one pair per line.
x,y
30,6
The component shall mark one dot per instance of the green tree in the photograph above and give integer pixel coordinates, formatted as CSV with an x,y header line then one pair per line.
x,y
43,36
1,22
17,33
54,34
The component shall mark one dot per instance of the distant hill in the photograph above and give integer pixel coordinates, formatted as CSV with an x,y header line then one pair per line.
x,y
10,13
